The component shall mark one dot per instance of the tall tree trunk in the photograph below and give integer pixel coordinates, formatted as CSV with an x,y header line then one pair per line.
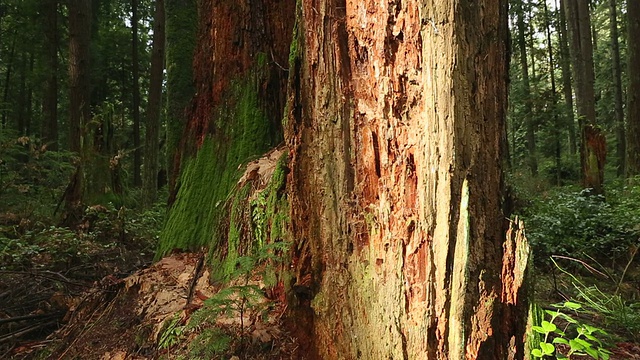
x,y
50,97
554,98
7,81
593,149
181,26
137,151
79,86
152,134
617,88
528,108
394,133
79,99
566,78
633,94
395,203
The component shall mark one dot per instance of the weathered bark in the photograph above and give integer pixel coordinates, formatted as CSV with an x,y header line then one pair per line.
x,y
137,151
50,96
577,14
181,20
633,94
152,134
395,125
528,108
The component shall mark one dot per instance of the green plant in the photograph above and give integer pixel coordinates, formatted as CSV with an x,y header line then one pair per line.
x,y
171,334
579,337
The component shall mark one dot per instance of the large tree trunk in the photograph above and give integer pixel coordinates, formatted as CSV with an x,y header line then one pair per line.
x,y
591,155
152,134
395,126
633,94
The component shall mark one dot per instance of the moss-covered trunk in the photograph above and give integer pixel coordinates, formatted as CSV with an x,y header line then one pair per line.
x,y
235,116
395,131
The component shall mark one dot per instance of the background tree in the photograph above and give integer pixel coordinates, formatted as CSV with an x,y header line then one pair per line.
x,y
181,21
617,89
137,150
633,94
154,106
593,149
50,98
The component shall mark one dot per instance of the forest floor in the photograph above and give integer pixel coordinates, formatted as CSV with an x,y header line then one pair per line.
x,y
145,315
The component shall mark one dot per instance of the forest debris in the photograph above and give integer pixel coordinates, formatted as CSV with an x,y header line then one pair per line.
x,y
261,169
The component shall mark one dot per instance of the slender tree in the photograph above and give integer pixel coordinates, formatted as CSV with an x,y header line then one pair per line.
x,y
137,150
152,133
50,97
617,88
79,77
554,98
528,101
633,94
566,78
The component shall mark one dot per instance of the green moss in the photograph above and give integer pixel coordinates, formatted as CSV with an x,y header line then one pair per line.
x,y
242,131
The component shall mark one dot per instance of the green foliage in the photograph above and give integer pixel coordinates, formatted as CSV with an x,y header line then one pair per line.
x,y
581,338
619,313
567,221
32,179
171,333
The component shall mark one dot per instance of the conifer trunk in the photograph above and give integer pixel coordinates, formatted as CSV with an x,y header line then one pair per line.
x,y
394,124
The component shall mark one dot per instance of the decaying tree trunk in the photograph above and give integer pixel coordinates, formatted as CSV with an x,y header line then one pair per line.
x,y
579,21
394,125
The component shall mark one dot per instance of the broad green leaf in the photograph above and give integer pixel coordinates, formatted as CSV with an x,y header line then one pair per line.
x,y
538,329
575,346
560,341
592,352
547,348
536,353
572,305
548,327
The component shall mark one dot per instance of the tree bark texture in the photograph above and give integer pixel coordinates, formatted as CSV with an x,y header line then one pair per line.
x,y
79,82
395,120
633,94
152,133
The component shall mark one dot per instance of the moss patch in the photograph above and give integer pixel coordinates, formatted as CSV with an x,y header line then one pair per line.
x,y
240,132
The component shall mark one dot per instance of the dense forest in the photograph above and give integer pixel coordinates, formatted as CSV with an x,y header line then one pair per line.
x,y
323,179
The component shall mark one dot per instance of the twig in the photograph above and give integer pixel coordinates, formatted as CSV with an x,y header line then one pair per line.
x,y
587,266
